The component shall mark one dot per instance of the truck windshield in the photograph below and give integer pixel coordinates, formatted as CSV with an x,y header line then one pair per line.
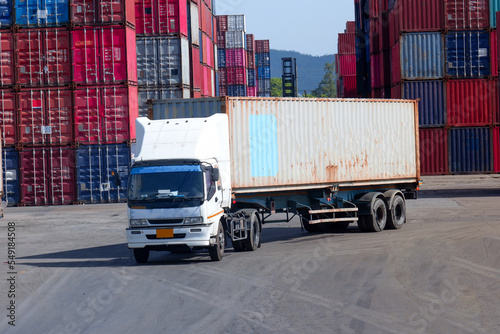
x,y
165,183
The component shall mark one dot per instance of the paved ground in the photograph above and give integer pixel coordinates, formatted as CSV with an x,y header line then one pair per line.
x,y
439,274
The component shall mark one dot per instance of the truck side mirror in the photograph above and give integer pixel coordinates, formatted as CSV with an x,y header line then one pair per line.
x,y
215,174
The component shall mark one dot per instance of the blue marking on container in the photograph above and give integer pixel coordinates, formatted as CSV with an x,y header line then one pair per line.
x,y
264,158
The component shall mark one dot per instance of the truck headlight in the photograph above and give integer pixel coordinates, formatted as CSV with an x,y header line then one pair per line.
x,y
193,221
138,222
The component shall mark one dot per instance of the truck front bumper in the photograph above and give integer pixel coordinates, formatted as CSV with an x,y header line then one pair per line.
x,y
191,236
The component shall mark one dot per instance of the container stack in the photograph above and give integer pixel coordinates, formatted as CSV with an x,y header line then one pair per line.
x,y
232,56
175,50
252,79
362,42
68,83
445,54
346,62
263,62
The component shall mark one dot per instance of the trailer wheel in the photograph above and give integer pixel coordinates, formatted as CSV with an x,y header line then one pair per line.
x,y
397,214
377,220
141,255
252,242
217,251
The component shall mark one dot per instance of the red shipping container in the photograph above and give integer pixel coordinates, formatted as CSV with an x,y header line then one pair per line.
x,y
423,15
222,77
395,65
45,116
161,17
251,91
195,94
6,59
433,151
336,63
235,58
467,14
47,176
104,55
347,65
236,76
8,117
222,23
376,71
396,92
394,27
262,46
196,70
472,102
494,53
206,18
101,12
374,36
43,57
374,8
206,78
347,44
250,43
105,114
251,60
348,88
221,39
496,150
350,27
208,52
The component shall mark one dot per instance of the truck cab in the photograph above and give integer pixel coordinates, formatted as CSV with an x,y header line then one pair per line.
x,y
179,186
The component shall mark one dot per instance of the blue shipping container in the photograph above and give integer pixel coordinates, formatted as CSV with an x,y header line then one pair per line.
x,y
264,72
251,77
470,150
432,105
102,173
422,56
221,58
5,13
468,54
237,90
41,13
10,176
263,59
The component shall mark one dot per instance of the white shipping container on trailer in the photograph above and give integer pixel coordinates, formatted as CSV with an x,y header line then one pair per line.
x,y
331,161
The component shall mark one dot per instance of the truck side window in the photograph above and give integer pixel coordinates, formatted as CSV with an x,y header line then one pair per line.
x,y
210,184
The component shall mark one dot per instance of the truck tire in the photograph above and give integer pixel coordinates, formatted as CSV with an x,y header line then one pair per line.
x,y
397,213
252,242
141,255
378,219
217,251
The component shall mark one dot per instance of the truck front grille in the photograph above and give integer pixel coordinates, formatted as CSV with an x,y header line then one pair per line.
x,y
176,236
177,221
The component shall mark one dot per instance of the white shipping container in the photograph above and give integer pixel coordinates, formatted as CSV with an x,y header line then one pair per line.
x,y
162,61
236,22
194,24
235,39
287,144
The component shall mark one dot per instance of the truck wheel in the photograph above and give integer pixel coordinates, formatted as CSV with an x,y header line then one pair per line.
x,y
252,242
141,255
397,213
238,246
377,220
217,251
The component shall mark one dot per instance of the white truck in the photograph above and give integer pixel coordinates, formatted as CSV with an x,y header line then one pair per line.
x,y
211,170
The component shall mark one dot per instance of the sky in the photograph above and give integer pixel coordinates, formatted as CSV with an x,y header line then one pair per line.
x,y
307,26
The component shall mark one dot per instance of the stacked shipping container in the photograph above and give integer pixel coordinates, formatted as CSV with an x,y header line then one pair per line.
x,y
263,63
68,80
232,56
346,63
445,54
252,73
175,50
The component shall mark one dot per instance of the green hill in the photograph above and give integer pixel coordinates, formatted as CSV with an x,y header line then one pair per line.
x,y
310,68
